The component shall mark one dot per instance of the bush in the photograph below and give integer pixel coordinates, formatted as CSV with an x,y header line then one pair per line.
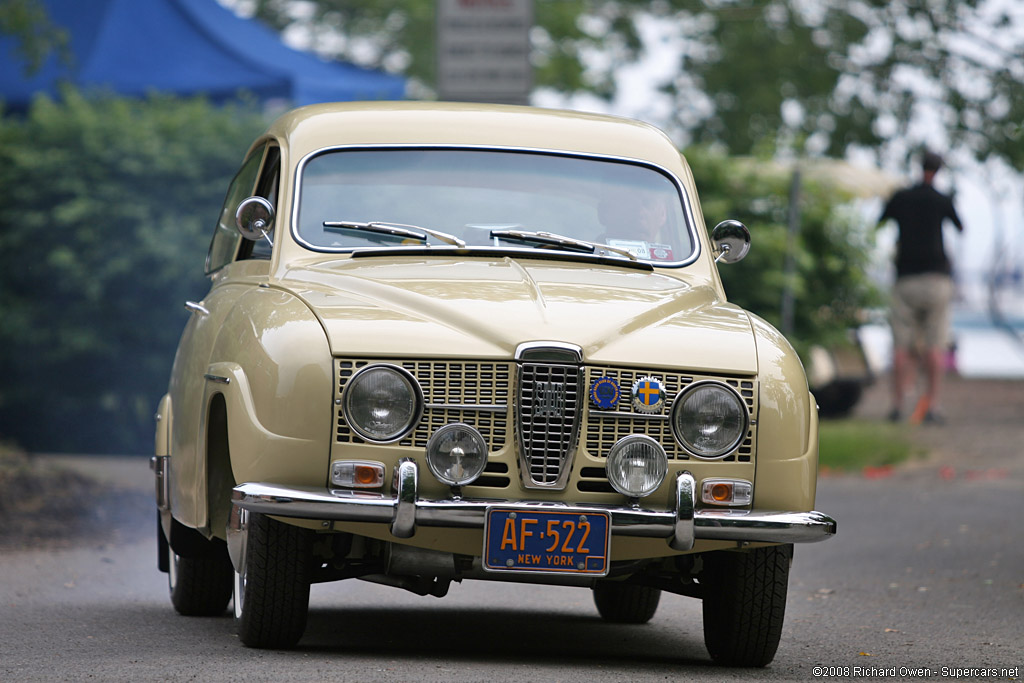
x,y
832,248
108,208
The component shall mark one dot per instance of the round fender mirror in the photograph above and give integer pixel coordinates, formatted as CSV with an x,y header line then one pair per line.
x,y
731,240
254,218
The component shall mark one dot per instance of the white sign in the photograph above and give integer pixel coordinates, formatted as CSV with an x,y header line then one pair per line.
x,y
483,50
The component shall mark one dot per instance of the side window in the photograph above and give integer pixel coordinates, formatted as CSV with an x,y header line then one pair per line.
x,y
269,182
225,236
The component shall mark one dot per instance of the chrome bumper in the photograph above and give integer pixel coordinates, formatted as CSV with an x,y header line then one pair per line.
x,y
405,511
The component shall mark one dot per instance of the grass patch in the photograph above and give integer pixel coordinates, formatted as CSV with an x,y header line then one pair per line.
x,y
856,444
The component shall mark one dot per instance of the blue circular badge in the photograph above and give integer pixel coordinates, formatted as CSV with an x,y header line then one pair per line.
x,y
604,392
648,394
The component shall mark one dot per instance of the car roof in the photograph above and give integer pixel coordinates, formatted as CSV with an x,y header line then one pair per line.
x,y
313,128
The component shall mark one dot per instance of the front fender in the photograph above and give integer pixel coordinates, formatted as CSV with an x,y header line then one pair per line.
x,y
272,364
787,426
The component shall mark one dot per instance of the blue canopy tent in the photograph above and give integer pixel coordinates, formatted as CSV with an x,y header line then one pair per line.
x,y
185,47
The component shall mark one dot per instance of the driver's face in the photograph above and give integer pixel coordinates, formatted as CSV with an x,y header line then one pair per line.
x,y
651,217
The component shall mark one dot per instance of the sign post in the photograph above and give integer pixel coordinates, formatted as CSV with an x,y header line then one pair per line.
x,y
483,50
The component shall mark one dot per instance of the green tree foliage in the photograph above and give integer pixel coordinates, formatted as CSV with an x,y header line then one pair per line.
x,y
108,208
831,250
815,76
36,37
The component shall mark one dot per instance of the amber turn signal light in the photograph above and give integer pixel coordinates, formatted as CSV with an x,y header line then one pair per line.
x,y
357,474
729,492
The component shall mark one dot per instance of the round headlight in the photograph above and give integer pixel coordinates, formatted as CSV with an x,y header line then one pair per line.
x,y
456,454
382,403
709,419
636,465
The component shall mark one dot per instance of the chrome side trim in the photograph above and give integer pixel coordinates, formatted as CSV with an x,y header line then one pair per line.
x,y
219,379
161,466
406,513
196,308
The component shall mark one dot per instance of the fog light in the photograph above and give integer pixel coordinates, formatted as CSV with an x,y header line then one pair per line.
x,y
731,492
456,454
636,465
357,474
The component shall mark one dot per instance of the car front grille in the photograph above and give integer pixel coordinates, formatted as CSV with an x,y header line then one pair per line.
x,y
548,421
552,414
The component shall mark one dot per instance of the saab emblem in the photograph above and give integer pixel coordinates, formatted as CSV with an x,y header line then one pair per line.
x,y
550,399
604,392
648,394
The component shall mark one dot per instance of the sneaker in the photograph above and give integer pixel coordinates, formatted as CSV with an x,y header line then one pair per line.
x,y
894,415
934,417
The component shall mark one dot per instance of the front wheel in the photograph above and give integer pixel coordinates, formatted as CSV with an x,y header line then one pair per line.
x,y
271,586
745,604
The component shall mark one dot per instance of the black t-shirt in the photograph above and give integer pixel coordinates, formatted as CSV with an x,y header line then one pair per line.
x,y
919,211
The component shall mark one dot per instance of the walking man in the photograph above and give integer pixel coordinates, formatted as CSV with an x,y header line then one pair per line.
x,y
921,298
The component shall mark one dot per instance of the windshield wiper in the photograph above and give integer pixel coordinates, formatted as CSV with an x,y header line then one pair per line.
x,y
397,230
553,240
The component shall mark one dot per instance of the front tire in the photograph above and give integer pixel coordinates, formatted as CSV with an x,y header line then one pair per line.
x,y
623,603
271,587
745,604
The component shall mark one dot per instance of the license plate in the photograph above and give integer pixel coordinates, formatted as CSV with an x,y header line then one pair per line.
x,y
545,542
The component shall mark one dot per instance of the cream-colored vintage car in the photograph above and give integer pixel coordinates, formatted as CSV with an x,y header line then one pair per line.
x,y
449,342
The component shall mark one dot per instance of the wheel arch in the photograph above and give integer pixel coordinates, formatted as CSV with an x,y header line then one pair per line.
x,y
220,478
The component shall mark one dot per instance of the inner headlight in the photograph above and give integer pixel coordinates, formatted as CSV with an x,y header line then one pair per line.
x,y
636,465
709,419
456,454
382,403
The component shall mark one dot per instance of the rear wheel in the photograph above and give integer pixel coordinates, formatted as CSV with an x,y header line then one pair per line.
x,y
745,604
624,603
200,586
271,587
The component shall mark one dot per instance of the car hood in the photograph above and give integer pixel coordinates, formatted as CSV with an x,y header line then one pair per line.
x,y
486,307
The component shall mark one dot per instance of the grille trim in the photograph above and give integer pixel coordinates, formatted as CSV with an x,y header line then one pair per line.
x,y
548,412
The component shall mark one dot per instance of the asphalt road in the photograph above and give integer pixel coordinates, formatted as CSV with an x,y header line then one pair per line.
x,y
926,572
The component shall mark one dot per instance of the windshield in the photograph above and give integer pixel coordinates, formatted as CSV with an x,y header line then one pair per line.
x,y
471,193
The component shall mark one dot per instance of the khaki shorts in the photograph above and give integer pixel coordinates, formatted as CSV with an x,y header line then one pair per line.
x,y
920,313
